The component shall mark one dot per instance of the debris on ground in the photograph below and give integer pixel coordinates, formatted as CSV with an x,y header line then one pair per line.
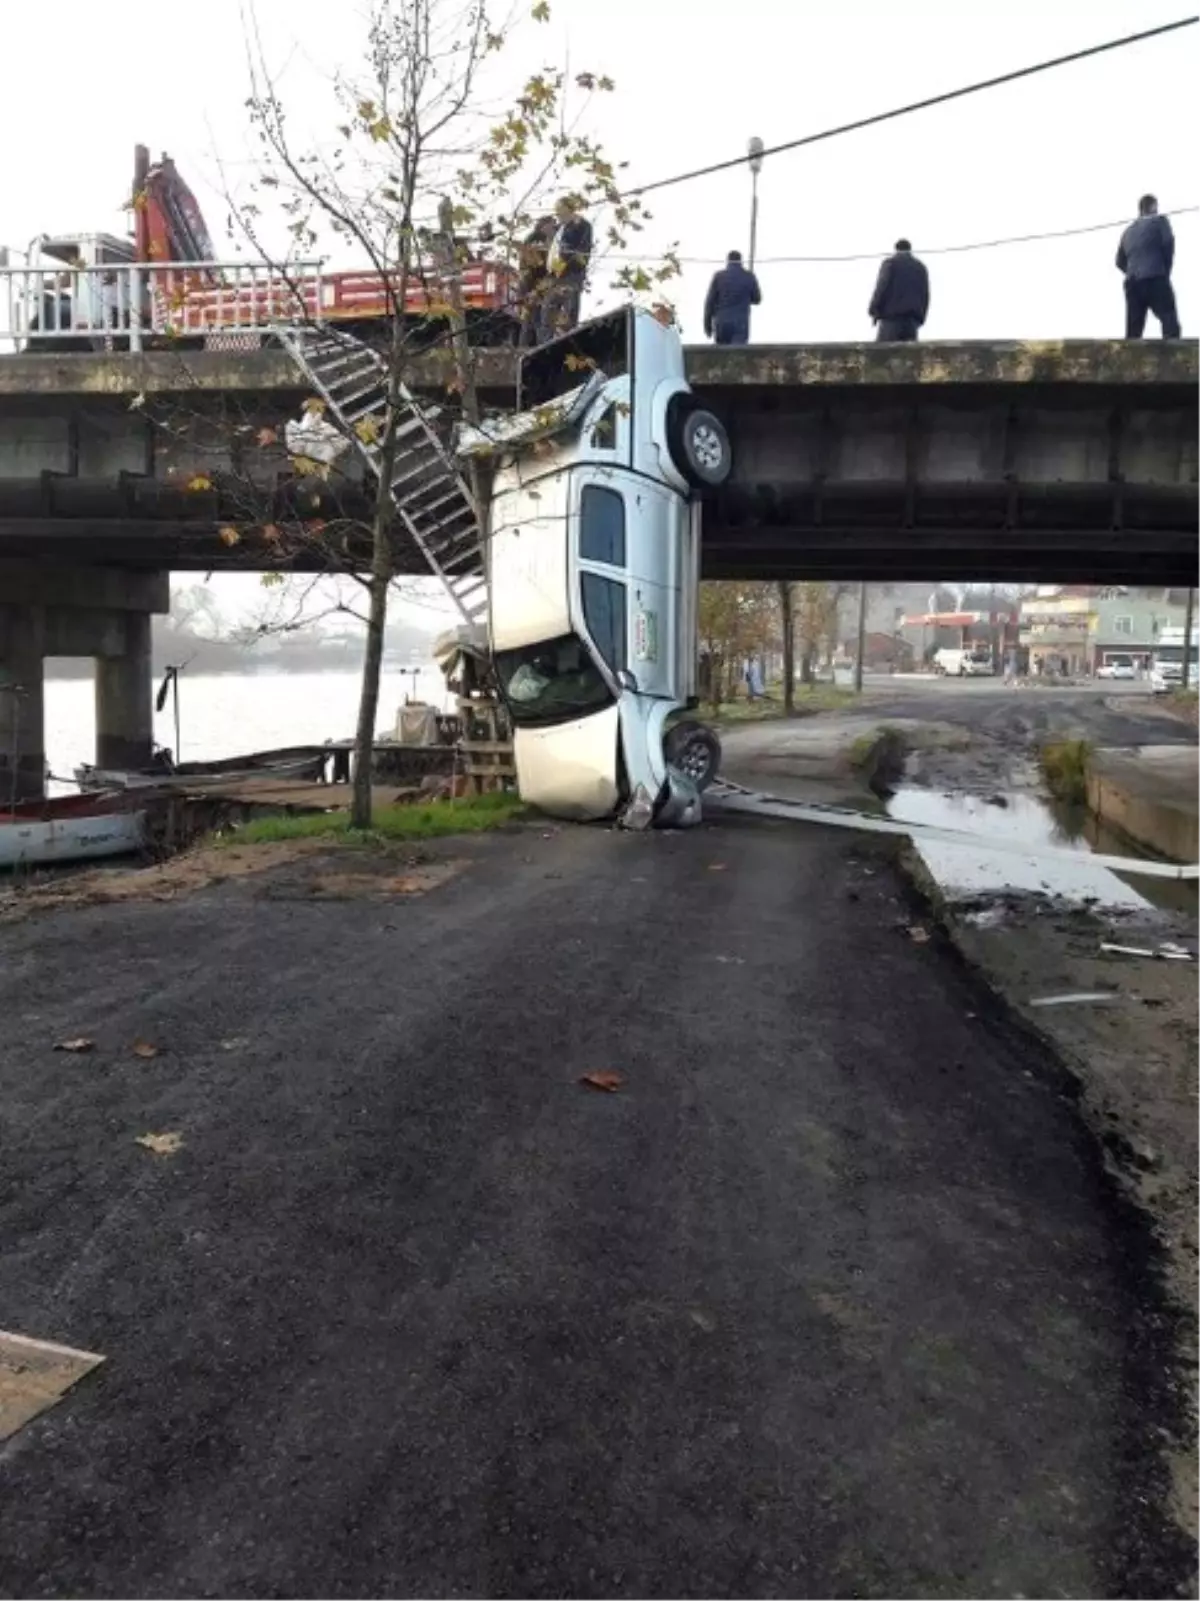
x,y
1166,952
1098,997
161,1144
610,1082
75,1046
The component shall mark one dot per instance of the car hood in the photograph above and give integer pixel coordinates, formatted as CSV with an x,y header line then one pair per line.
x,y
571,769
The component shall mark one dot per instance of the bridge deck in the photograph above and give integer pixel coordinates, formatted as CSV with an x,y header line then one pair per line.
x,y
1072,460
1091,362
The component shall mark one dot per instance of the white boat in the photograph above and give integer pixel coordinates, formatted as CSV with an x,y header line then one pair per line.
x,y
69,828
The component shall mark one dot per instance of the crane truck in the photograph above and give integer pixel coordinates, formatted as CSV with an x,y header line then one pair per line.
x,y
102,290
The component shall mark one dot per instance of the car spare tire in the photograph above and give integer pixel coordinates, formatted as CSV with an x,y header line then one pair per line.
x,y
698,443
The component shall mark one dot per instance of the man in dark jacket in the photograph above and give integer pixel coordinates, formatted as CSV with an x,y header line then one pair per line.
x,y
727,306
1146,255
570,254
534,279
900,303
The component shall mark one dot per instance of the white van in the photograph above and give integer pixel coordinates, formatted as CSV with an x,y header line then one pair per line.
x,y
975,662
593,556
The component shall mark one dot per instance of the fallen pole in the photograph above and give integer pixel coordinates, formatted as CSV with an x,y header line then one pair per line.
x,y
733,798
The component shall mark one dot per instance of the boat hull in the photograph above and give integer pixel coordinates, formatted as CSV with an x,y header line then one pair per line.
x,y
47,835
307,764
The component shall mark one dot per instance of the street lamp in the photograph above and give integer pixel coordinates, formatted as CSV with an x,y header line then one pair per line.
x,y
756,161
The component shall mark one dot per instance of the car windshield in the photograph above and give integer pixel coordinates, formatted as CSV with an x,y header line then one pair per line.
x,y
551,682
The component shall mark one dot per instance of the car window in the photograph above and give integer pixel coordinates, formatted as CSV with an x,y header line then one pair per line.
x,y
602,526
604,614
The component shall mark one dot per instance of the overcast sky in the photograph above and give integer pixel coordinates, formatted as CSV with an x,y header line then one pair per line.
x,y
693,82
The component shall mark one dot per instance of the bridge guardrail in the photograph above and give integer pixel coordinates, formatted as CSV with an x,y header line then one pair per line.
x,y
119,306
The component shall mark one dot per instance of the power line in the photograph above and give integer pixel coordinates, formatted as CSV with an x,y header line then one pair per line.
x,y
921,105
931,250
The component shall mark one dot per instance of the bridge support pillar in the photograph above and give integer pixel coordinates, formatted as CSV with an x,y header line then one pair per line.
x,y
124,699
22,742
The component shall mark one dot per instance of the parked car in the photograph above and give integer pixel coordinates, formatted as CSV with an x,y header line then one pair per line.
x,y
1117,667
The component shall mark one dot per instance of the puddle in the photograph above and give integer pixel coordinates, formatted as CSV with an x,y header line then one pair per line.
x,y
973,869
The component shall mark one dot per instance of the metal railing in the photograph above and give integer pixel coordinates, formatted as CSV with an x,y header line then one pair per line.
x,y
120,306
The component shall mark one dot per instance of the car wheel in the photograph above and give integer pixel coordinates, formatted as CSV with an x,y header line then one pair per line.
x,y
695,751
699,444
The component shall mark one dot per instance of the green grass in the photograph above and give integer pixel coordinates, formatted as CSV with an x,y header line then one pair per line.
x,y
1065,768
810,698
470,815
866,745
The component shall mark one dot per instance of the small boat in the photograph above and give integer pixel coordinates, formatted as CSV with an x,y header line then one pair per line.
x,y
69,828
305,762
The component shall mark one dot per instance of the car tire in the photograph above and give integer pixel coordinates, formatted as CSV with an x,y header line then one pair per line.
x,y
695,751
699,444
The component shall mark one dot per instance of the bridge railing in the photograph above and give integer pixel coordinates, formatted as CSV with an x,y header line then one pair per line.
x,y
120,306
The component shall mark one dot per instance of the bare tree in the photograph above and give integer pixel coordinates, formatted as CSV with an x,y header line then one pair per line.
x,y
417,139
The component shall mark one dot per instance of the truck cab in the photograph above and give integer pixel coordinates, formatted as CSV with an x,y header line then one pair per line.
x,y
73,289
593,555
1166,669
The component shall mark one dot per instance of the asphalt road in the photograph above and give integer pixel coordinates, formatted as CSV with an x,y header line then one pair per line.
x,y
830,1298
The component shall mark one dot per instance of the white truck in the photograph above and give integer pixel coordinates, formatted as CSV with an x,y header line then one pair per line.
x,y
593,556
974,661
1166,669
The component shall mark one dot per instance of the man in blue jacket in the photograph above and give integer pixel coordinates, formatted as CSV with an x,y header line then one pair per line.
x,y
900,303
727,307
1146,255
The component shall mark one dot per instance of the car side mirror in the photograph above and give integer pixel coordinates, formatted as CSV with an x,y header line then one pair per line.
x,y
626,680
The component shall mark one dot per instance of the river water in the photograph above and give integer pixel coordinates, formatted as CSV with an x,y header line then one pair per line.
x,y
231,714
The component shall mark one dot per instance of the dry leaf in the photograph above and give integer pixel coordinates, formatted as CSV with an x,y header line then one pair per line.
x,y
199,483
314,406
603,1081
76,1045
367,429
145,1048
271,534
228,536
161,1144
267,436
918,934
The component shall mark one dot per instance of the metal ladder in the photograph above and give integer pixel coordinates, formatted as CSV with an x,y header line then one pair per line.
x,y
430,497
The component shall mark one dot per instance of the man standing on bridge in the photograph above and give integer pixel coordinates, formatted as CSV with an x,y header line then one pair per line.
x,y
567,267
1146,255
900,303
727,306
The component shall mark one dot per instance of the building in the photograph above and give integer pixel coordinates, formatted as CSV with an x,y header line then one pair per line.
x,y
1074,630
1056,631
1127,622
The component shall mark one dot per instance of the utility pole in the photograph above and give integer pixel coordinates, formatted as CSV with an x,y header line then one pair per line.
x,y
756,161
1189,618
862,638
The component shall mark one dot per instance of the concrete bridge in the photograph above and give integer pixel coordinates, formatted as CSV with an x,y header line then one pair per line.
x,y
1073,461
